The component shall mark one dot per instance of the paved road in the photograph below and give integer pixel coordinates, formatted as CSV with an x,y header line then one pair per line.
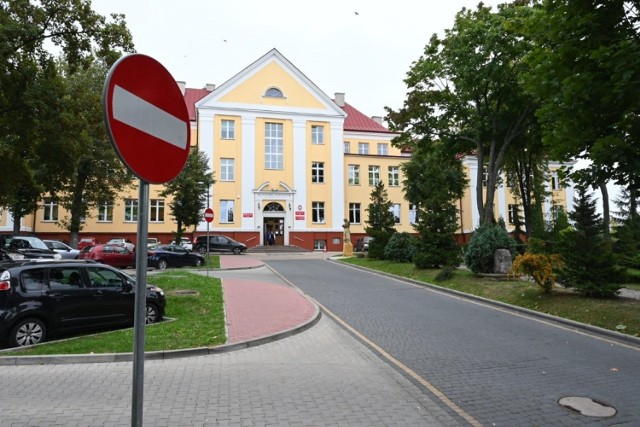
x,y
499,368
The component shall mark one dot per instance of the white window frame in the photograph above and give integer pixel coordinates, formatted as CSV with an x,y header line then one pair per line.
x,y
383,149
413,214
555,181
227,210
394,176
317,134
130,210
514,212
50,208
317,172
347,147
228,129
363,148
317,212
227,169
374,175
395,209
274,146
156,210
354,174
355,213
105,212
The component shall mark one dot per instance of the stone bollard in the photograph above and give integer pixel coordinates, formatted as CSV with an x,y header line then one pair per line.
x,y
501,261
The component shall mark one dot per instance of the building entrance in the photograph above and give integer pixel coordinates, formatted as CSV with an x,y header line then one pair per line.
x,y
274,231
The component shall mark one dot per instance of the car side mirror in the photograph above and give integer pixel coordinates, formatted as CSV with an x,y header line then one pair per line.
x,y
128,286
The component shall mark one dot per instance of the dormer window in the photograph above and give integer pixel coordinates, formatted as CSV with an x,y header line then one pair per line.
x,y
273,92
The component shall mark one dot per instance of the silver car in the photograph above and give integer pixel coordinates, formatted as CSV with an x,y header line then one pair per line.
x,y
66,251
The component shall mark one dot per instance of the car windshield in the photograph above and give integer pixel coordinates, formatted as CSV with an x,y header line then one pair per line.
x,y
34,242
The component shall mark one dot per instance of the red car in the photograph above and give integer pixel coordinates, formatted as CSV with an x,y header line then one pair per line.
x,y
86,241
113,255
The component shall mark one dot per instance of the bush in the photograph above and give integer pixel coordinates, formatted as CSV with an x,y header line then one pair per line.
x,y
479,253
401,247
539,266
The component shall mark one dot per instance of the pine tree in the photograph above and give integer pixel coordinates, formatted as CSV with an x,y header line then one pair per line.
x,y
381,222
589,261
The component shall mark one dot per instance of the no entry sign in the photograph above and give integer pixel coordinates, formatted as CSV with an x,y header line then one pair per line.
x,y
208,214
147,118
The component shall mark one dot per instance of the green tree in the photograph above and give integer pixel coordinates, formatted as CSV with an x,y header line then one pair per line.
x,y
189,192
589,265
94,174
31,87
465,90
381,222
434,182
585,73
479,253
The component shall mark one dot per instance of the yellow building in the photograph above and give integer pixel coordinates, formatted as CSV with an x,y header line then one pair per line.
x,y
288,160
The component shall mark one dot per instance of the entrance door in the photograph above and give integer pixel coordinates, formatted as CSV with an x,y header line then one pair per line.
x,y
274,231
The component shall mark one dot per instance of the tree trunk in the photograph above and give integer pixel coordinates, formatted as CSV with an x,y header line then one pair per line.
x,y
606,219
16,222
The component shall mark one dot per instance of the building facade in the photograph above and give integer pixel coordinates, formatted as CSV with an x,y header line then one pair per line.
x,y
290,162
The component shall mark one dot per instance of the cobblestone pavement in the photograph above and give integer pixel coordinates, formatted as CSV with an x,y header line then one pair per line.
x,y
500,367
320,377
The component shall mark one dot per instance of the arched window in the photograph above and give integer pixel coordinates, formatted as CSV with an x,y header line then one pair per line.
x,y
273,207
274,92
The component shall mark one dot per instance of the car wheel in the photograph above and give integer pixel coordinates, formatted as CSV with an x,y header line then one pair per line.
x,y
153,315
237,251
198,262
202,250
28,332
162,264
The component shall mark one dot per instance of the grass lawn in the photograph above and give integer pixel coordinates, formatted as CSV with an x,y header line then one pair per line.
x,y
618,314
199,321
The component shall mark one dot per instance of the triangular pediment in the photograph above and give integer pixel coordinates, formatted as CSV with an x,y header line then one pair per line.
x,y
253,88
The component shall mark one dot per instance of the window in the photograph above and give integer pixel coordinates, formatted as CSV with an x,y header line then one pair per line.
x,y
317,212
514,217
555,181
374,175
273,93
556,211
228,129
33,279
317,172
317,134
395,209
50,210
131,210
394,176
363,148
274,146
354,174
485,177
383,149
226,211
156,213
319,245
105,212
227,169
100,277
413,214
347,147
354,213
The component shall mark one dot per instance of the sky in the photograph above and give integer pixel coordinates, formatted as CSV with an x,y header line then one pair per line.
x,y
362,48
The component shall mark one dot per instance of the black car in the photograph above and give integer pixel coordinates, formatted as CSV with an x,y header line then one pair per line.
x,y
44,298
218,244
16,247
164,256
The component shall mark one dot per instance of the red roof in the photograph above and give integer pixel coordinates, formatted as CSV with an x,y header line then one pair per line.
x,y
191,96
356,121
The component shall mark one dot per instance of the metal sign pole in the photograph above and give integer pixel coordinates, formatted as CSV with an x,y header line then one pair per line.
x,y
140,304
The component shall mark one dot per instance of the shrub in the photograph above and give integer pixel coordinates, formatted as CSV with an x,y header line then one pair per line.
x,y
479,253
539,266
401,247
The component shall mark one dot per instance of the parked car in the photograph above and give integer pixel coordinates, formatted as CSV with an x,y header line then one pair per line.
x,y
40,299
113,255
152,242
121,241
65,251
218,244
86,241
165,256
16,247
186,243
362,244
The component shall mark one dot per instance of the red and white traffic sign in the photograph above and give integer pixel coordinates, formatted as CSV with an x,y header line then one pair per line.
x,y
147,118
208,214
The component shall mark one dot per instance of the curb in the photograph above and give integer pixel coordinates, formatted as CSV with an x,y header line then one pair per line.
x,y
572,324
